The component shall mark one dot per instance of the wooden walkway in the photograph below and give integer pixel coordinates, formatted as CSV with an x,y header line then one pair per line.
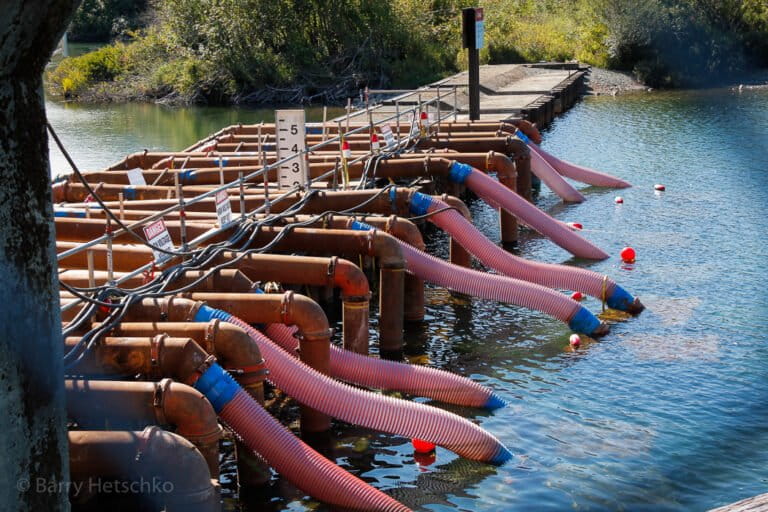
x,y
536,92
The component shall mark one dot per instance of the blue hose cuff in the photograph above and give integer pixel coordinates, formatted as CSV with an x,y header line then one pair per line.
x,y
620,299
523,137
221,161
129,193
495,402
69,213
500,458
207,313
584,322
360,226
187,176
459,172
218,386
420,203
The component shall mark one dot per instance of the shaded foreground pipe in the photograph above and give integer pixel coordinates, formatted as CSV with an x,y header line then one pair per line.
x,y
395,376
96,403
501,288
289,308
153,460
369,409
300,464
237,353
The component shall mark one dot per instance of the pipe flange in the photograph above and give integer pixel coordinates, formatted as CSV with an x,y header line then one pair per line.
x,y
331,270
156,345
370,237
192,313
211,331
158,400
285,307
145,438
252,374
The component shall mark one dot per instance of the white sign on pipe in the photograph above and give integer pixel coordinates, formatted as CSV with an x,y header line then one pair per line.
x,y
158,236
223,207
136,178
389,138
290,134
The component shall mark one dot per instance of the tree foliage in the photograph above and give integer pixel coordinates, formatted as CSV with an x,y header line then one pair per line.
x,y
294,50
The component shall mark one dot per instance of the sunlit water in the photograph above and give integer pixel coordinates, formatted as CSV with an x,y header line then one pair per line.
x,y
668,412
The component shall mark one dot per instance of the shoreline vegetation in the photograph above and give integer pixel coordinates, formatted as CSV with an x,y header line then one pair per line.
x,y
323,51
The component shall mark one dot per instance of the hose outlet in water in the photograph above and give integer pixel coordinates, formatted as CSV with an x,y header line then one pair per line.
x,y
584,322
620,299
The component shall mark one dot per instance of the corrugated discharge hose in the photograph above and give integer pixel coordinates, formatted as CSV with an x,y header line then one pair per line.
x,y
493,256
396,376
496,287
573,171
297,462
365,408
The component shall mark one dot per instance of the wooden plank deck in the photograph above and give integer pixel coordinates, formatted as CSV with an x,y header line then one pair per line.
x,y
753,504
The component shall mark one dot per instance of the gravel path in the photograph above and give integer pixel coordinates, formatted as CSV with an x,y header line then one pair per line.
x,y
603,81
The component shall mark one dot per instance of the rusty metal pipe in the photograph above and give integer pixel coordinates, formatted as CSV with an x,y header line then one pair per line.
x,y
289,308
235,351
152,455
93,404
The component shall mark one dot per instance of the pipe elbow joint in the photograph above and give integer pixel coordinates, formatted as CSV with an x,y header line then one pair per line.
x,y
306,314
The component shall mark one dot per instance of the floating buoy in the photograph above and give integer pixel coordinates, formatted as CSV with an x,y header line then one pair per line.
x,y
425,459
575,226
659,187
577,296
627,255
420,446
619,200
575,340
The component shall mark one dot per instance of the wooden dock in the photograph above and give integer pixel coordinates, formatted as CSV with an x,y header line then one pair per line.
x,y
537,92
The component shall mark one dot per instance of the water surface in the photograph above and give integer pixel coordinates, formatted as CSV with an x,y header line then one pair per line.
x,y
670,411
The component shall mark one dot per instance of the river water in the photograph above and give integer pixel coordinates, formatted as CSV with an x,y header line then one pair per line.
x,y
670,411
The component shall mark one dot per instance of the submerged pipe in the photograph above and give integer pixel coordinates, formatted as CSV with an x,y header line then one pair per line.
x,y
152,456
94,404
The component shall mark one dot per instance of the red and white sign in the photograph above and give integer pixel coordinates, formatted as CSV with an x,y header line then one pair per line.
x,y
158,236
389,138
223,208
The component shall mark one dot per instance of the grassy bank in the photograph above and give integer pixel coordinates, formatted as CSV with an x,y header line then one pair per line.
x,y
195,51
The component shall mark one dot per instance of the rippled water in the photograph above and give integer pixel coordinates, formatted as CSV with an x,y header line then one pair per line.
x,y
668,412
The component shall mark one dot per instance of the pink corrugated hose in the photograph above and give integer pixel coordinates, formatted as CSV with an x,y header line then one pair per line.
x,y
493,193
373,410
395,376
492,256
297,462
553,179
578,172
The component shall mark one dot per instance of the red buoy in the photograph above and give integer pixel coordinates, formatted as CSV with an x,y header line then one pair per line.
x,y
619,200
575,226
575,340
420,446
627,255
578,296
659,187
